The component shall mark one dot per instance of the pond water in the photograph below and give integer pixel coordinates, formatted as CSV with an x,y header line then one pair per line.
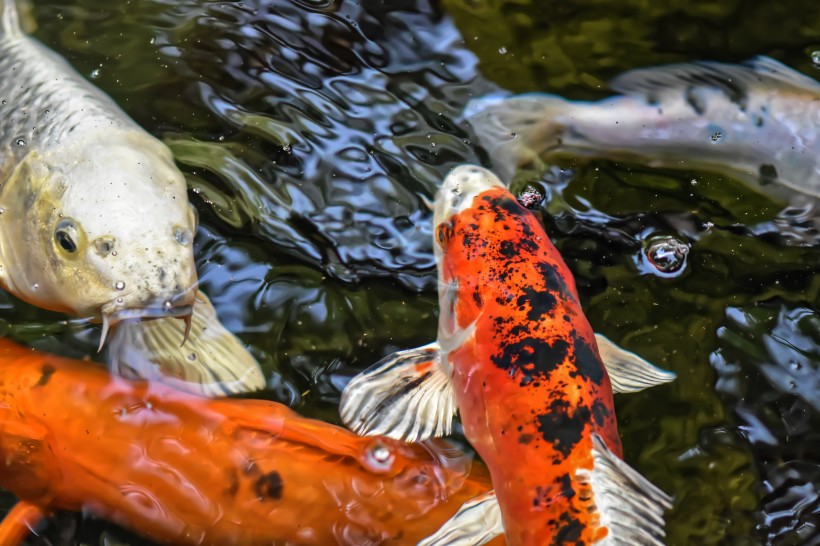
x,y
312,131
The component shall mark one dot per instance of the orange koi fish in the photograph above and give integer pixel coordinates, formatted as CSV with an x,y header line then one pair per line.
x,y
516,355
181,469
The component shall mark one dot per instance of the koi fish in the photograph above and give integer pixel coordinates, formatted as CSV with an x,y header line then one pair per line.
x,y
183,469
516,356
756,122
94,215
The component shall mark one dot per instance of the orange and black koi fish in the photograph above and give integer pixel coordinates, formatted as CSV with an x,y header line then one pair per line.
x,y
180,469
518,358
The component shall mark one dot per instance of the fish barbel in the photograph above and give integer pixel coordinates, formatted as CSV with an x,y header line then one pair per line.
x,y
757,122
181,469
94,214
518,359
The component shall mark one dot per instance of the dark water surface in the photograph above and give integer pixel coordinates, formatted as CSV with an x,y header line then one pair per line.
x,y
311,132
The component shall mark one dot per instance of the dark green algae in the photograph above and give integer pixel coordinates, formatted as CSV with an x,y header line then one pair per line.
x,y
310,133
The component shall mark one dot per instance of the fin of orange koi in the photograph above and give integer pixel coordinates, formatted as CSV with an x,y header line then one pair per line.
x,y
629,505
19,523
627,371
477,522
406,396
213,362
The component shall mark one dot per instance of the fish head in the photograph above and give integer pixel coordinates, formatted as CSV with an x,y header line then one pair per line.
x,y
106,233
455,234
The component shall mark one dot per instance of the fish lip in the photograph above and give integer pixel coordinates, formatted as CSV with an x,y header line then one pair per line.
x,y
149,313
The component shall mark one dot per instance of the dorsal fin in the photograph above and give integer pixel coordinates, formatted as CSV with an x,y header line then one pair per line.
x,y
9,22
735,79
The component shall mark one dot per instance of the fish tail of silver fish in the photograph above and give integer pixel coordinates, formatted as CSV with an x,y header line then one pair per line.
x,y
755,121
518,131
9,19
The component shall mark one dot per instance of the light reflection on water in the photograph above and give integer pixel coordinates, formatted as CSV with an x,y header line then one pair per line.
x,y
311,131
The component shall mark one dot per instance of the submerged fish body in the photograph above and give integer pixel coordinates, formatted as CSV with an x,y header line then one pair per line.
x,y
95,221
518,359
181,469
757,122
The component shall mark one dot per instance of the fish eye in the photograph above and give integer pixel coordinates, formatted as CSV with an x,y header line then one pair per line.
x,y
379,457
443,232
66,236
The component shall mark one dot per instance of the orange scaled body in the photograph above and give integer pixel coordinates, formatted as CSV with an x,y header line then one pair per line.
x,y
528,380
181,469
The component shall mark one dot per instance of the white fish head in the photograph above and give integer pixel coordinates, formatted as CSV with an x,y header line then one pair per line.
x,y
101,229
456,194
459,188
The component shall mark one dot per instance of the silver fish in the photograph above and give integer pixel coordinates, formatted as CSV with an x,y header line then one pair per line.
x,y
94,214
758,122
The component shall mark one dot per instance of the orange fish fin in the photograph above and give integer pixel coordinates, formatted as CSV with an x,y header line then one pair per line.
x,y
630,506
212,362
406,396
19,523
627,371
477,522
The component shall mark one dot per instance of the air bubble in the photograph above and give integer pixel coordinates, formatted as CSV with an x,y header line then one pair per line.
x,y
667,254
119,285
21,142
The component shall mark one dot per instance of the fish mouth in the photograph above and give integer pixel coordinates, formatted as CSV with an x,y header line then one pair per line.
x,y
110,318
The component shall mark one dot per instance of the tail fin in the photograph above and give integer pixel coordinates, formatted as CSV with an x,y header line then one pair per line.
x,y
212,362
9,20
516,131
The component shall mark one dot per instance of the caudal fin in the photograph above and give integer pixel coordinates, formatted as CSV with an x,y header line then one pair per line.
x,y
212,362
406,396
517,131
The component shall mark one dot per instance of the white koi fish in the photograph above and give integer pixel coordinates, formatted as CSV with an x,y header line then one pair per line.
x,y
95,219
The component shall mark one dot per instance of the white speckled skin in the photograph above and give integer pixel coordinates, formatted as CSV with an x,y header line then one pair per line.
x,y
70,157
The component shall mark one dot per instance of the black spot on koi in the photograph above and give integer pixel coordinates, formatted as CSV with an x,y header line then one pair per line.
x,y
269,486
561,429
47,371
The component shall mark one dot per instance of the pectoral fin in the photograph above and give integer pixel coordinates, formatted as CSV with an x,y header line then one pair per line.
x,y
212,362
477,522
627,371
406,396
19,523
630,506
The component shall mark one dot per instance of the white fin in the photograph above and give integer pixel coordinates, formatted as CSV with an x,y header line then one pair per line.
x,y
517,131
10,21
212,362
627,371
629,505
406,396
477,522
735,79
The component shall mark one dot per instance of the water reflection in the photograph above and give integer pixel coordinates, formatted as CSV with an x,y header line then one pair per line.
x,y
311,131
